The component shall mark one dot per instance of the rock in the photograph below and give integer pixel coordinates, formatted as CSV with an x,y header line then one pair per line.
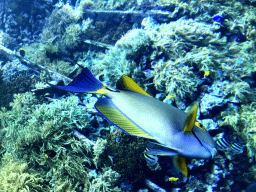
x,y
210,124
209,102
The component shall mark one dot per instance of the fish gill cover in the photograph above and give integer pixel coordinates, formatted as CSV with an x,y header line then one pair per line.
x,y
178,51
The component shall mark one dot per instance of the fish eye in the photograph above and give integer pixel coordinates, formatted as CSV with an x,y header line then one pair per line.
x,y
200,125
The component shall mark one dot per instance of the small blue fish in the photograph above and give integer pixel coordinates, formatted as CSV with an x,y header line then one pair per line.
x,y
219,19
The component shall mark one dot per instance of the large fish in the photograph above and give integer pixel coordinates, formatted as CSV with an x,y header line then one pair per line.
x,y
136,112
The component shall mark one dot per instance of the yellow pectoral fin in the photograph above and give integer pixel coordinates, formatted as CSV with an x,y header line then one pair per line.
x,y
191,118
181,165
107,109
127,83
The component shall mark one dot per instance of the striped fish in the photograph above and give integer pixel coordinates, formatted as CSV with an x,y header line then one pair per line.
x,y
225,145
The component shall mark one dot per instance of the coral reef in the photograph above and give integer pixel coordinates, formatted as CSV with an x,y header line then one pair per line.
x,y
126,154
180,56
121,58
16,175
33,128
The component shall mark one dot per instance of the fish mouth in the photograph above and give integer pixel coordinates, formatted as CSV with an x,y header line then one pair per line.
x,y
213,152
211,149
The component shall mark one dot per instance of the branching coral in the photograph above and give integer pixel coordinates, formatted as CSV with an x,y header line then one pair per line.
x,y
125,152
241,91
98,149
248,119
112,4
121,58
104,181
59,20
71,37
17,176
177,78
242,120
32,129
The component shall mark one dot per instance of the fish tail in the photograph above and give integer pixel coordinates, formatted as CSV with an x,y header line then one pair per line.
x,y
85,82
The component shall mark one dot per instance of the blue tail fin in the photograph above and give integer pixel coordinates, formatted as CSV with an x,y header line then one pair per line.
x,y
84,82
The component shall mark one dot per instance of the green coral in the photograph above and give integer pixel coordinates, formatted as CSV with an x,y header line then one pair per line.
x,y
71,37
104,181
16,175
18,84
32,128
242,121
248,114
121,58
98,149
238,91
59,21
112,4
175,78
126,153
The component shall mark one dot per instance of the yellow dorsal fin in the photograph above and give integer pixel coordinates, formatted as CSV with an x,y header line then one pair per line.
x,y
181,165
191,118
127,83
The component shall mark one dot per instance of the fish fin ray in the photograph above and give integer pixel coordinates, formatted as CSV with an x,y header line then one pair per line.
x,y
191,118
84,82
127,83
181,165
106,107
161,152
159,149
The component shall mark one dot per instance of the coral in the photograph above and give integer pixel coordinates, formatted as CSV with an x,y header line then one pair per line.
x,y
175,78
114,4
6,40
62,34
248,121
63,67
17,82
59,21
239,91
134,42
125,152
98,149
71,37
16,175
231,117
33,128
182,61
121,58
84,4
242,120
104,181
180,42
